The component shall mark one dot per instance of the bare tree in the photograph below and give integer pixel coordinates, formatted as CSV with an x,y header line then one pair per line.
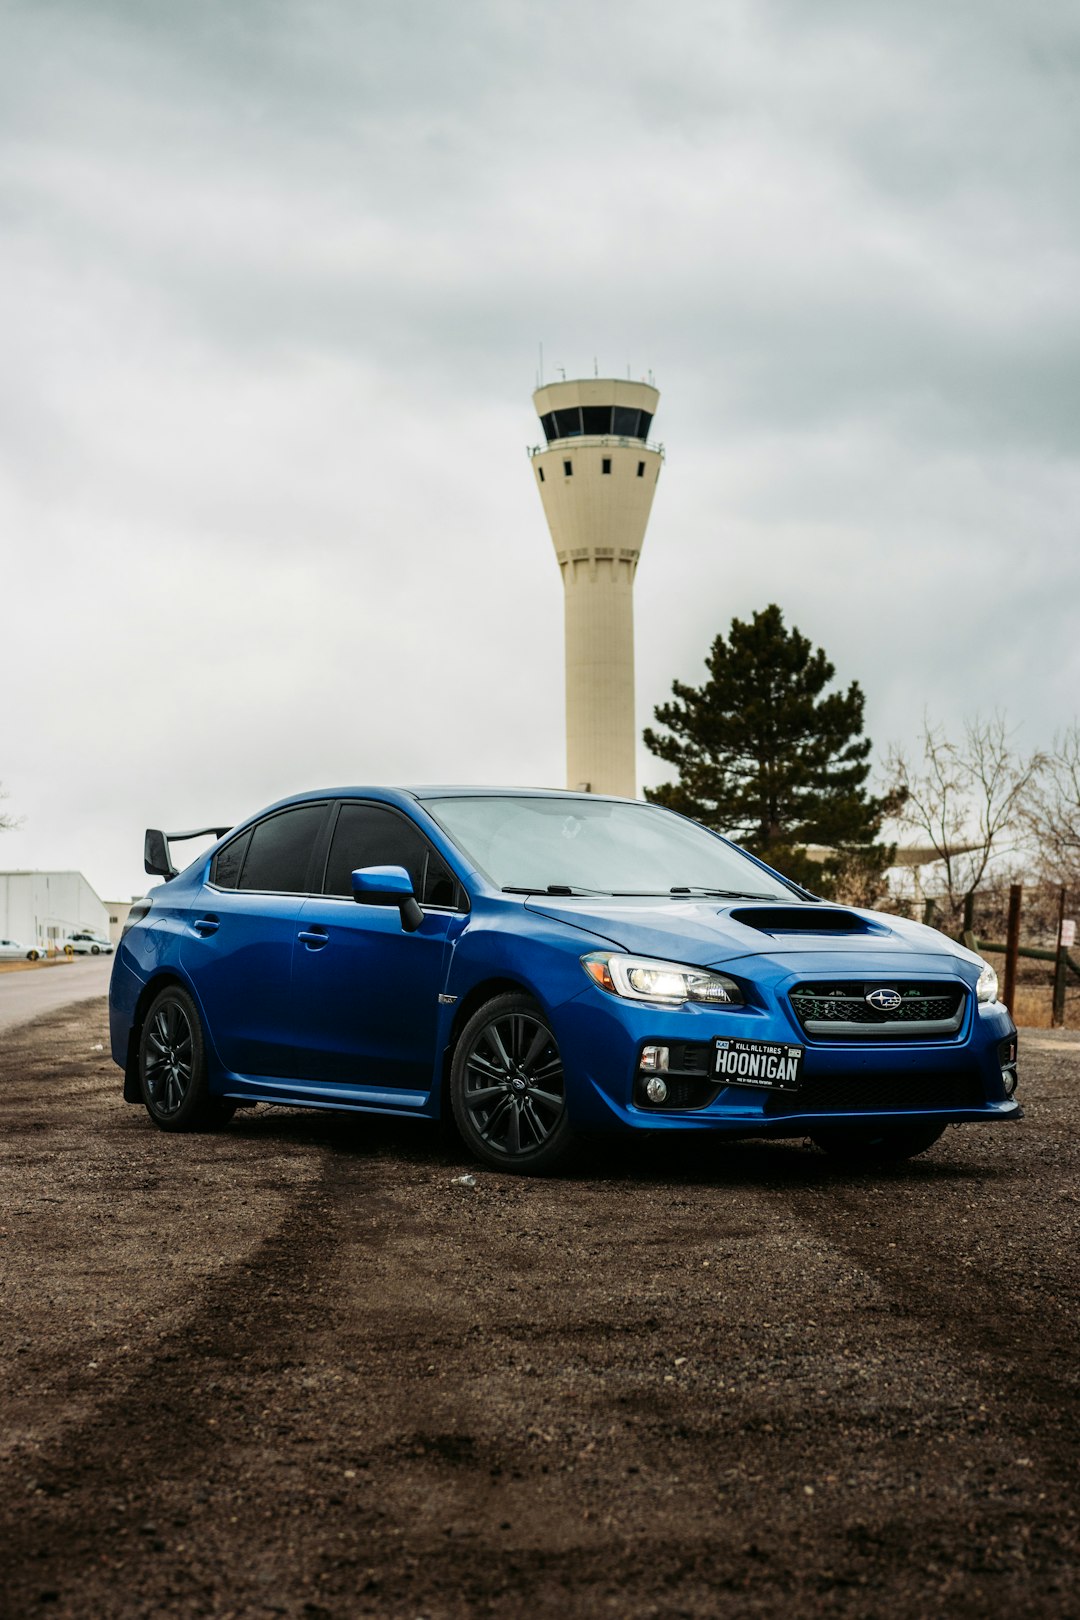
x,y
1052,810
967,801
8,823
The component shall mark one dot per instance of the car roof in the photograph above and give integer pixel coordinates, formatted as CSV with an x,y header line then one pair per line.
x,y
425,792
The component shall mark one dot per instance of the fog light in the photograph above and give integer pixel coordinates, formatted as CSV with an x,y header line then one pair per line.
x,y
656,1089
1008,1080
654,1059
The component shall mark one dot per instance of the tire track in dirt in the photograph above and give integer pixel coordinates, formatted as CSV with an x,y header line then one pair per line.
x,y
157,1437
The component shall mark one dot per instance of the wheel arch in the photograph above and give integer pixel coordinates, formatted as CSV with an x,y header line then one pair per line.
x,y
132,1089
485,991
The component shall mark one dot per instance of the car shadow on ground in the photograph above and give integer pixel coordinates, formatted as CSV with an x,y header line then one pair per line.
x,y
664,1158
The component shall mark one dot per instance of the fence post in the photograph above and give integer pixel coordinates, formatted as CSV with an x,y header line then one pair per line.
x,y
1012,944
1057,1017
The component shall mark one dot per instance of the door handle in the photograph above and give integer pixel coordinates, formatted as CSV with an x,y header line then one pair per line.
x,y
206,925
314,938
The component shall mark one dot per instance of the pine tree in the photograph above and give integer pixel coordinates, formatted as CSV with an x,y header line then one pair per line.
x,y
769,758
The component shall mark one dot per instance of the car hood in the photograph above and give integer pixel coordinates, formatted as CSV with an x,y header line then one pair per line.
x,y
709,933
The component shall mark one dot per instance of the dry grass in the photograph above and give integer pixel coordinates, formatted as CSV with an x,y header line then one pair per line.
x,y
42,962
1034,1005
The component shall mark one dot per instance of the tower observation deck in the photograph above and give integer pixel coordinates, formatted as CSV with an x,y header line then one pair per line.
x,y
596,475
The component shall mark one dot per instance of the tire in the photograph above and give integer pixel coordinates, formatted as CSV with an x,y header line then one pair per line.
x,y
32,956
69,950
95,950
884,1144
507,1088
172,1066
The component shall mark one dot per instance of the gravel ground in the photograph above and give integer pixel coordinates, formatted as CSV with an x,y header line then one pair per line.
x,y
294,1369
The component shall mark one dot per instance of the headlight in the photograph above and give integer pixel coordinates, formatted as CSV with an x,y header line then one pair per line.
x,y
987,987
666,984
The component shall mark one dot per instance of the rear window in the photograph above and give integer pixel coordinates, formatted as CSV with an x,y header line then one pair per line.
x,y
280,850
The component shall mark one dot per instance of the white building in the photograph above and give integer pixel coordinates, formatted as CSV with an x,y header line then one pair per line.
x,y
118,916
43,908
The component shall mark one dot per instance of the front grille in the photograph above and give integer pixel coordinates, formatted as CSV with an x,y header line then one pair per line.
x,y
928,1010
877,1094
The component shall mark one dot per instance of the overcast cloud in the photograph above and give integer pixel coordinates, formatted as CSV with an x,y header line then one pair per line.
x,y
273,278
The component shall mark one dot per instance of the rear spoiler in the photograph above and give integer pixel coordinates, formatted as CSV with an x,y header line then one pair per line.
x,y
157,858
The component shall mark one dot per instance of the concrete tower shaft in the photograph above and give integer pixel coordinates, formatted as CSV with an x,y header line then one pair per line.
x,y
596,475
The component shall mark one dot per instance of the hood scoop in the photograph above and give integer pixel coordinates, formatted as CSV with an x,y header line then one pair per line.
x,y
808,919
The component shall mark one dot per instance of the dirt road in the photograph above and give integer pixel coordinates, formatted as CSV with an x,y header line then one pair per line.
x,y
45,987
293,1369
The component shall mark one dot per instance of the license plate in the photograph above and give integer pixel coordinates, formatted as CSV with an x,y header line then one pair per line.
x,y
768,1065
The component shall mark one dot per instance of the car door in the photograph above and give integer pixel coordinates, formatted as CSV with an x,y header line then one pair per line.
x,y
365,992
238,941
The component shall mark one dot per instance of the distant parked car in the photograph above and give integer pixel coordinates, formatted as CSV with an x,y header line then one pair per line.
x,y
12,950
87,944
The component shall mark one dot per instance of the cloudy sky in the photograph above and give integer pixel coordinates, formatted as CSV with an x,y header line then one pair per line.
x,y
273,277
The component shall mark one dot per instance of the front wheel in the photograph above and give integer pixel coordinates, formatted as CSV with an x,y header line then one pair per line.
x,y
507,1087
172,1066
95,950
883,1144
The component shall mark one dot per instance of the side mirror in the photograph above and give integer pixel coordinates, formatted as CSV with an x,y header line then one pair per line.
x,y
388,885
156,859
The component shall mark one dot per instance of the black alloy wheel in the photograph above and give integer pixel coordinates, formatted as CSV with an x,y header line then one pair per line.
x,y
881,1144
172,1066
508,1089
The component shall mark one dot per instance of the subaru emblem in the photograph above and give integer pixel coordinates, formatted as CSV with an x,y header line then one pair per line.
x,y
884,1000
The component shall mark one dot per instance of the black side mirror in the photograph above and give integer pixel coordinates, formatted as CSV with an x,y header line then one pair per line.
x,y
382,885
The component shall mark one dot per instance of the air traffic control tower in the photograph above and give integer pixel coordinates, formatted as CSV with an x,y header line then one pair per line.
x,y
596,474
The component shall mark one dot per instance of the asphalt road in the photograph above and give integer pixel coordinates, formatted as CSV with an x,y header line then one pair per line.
x,y
34,991
296,1369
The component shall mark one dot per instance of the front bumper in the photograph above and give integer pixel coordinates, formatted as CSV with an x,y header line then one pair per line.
x,y
952,1079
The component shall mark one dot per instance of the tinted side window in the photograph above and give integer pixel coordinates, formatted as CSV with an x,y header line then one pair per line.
x,y
227,863
368,835
279,853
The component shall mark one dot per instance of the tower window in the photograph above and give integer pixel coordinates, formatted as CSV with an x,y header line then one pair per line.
x,y
568,468
596,418
641,469
605,465
540,474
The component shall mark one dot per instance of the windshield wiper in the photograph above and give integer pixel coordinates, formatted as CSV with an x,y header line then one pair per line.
x,y
550,888
720,894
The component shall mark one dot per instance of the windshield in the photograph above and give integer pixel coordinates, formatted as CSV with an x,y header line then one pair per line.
x,y
597,846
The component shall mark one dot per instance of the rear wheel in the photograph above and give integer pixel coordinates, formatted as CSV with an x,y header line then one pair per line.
x,y
882,1144
507,1087
172,1066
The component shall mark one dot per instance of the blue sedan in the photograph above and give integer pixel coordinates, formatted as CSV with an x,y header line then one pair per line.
x,y
542,965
